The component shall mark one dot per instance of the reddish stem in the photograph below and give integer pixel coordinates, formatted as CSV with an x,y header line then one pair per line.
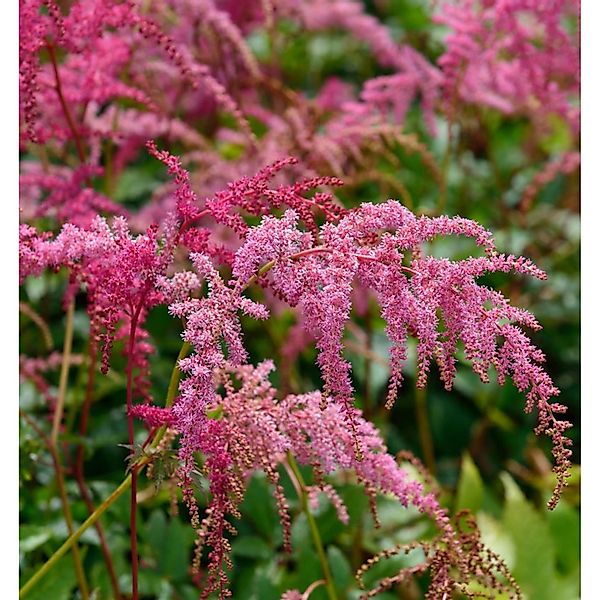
x,y
65,106
364,257
79,472
131,439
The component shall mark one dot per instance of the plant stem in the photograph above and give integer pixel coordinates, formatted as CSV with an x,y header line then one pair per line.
x,y
64,374
52,443
123,487
60,482
172,390
79,471
367,382
424,429
314,529
131,441
72,539
65,106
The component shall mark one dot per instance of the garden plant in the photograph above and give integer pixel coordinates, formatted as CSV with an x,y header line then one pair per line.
x,y
279,265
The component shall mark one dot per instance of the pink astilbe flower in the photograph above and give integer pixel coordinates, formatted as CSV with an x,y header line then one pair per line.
x,y
250,194
514,55
414,72
188,208
100,43
247,429
153,416
119,272
253,195
65,194
219,22
209,322
436,300
34,27
328,490
564,164
33,369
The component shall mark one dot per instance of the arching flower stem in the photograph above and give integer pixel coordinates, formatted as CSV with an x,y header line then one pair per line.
x,y
65,106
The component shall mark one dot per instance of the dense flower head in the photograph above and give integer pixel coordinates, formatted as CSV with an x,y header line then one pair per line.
x,y
247,428
436,300
517,56
97,35
64,193
117,270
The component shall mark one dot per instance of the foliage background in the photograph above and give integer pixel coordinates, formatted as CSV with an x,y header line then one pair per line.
x,y
482,449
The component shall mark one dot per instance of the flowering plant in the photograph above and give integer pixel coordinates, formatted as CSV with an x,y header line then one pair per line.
x,y
272,239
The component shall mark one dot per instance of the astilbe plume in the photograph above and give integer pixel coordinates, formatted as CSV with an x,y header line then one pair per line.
x,y
34,369
249,196
436,300
382,246
518,56
119,272
248,428
414,73
102,39
64,193
472,567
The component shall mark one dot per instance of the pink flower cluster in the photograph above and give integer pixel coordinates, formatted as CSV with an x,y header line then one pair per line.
x,y
518,56
119,273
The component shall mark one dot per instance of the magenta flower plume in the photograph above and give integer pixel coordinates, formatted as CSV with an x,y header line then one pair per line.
x,y
119,271
516,56
436,300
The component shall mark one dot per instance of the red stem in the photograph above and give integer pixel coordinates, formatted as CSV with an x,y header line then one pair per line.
x,y
364,257
134,472
65,106
80,477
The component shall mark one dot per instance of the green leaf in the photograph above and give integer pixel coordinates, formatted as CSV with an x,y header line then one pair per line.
x,y
340,568
56,584
495,537
171,543
564,527
133,183
251,546
33,536
308,570
264,586
470,491
258,507
534,548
